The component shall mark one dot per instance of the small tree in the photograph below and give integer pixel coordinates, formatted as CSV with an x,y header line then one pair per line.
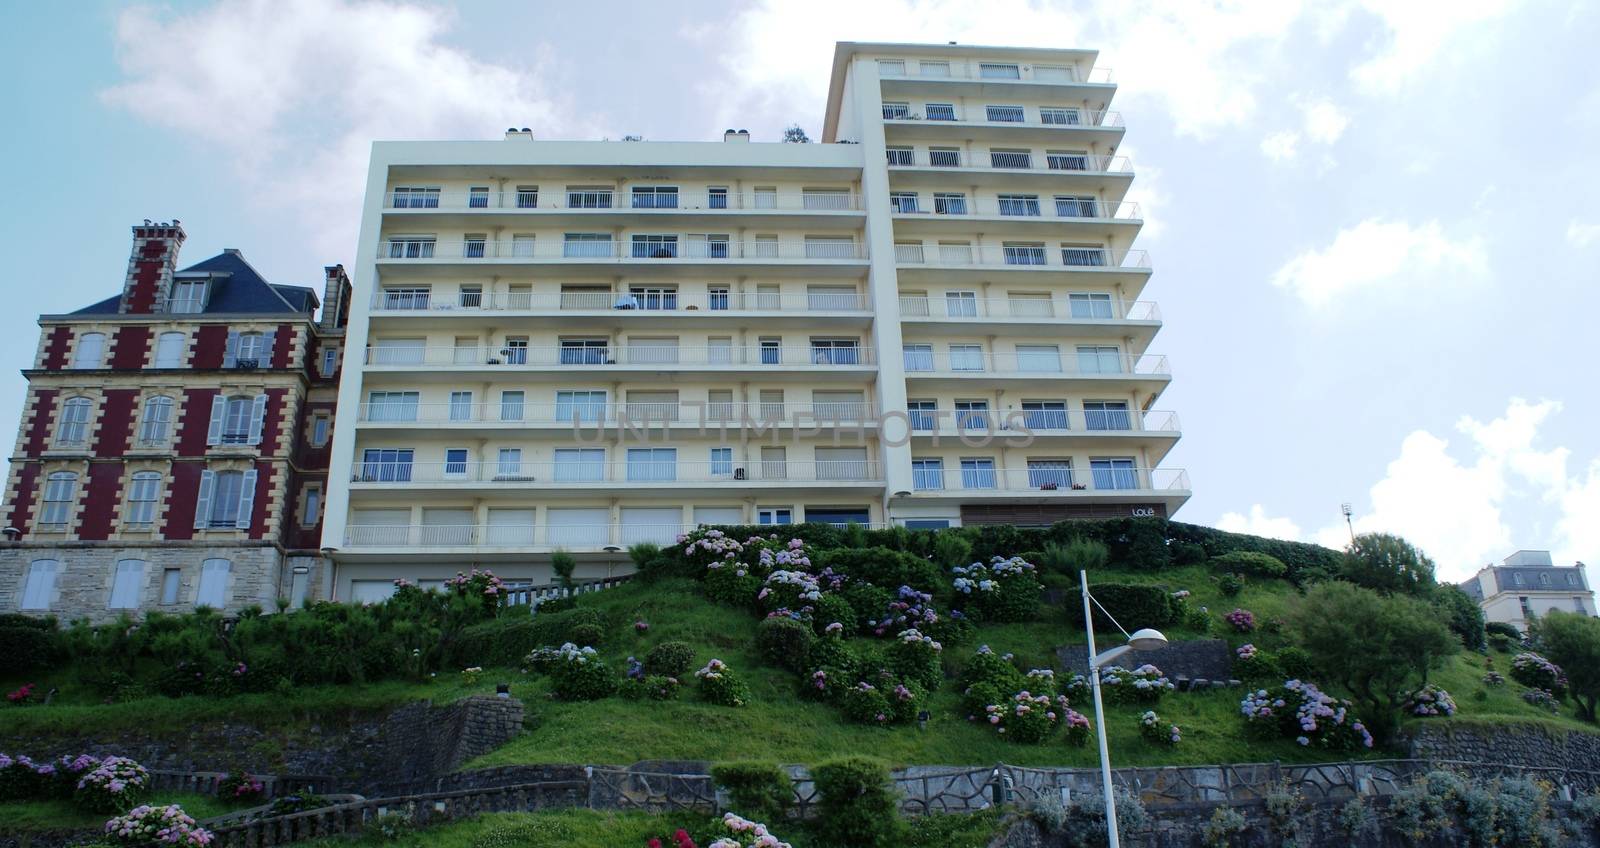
x,y
563,564
793,134
1462,614
951,549
1388,564
1572,641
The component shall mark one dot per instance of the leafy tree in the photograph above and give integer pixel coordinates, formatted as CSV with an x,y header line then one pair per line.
x,y
793,134
1378,648
1388,564
1572,641
1462,614
563,564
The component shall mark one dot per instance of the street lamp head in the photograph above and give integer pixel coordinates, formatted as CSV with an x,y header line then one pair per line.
x,y
1147,639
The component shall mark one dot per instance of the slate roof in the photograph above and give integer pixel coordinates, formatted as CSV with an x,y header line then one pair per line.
x,y
240,290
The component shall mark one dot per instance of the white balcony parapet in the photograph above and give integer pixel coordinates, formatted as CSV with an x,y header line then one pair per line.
x,y
413,300
1042,364
572,537
958,308
1063,119
605,202
587,416
1051,476
1072,163
946,422
958,71
1065,208
633,473
1086,258
411,248
655,356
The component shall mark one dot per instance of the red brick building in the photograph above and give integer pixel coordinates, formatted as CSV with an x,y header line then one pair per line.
x,y
174,444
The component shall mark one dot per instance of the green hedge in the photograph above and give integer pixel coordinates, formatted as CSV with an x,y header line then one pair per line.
x,y
1132,606
756,790
1250,562
884,567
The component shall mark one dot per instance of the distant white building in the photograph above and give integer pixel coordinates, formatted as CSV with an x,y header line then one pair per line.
x,y
1528,584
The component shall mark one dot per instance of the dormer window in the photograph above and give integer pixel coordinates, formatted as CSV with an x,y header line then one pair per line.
x,y
188,297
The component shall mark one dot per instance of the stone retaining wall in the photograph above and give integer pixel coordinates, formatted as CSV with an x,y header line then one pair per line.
x,y
1520,744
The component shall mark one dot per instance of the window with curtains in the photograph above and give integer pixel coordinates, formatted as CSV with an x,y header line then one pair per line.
x,y
903,201
1049,473
227,494
512,405
157,421
188,297
655,197
1020,204
922,414
55,507
1067,161
509,465
73,428
1114,473
236,420
581,405
966,357
1074,206
972,414
1038,358
961,304
949,203
722,462
311,510
90,351
143,489
1091,256
655,246
461,406
386,465
1022,253
940,111
392,406
918,357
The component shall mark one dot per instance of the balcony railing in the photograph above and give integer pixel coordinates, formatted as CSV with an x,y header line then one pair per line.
x,y
1067,75
1004,161
633,355
1030,116
642,303
1041,363
631,472
1046,421
1070,208
713,414
590,537
1022,256
956,308
1049,476
601,202
411,249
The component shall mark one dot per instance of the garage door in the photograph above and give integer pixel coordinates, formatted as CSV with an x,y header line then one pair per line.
x,y
651,524
574,527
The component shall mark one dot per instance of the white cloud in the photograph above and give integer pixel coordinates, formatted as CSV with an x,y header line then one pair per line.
x,y
296,90
1377,251
1258,524
1418,33
1281,146
1582,235
1324,121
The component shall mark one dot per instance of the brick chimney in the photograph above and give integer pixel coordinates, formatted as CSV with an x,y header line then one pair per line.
x,y
150,267
336,292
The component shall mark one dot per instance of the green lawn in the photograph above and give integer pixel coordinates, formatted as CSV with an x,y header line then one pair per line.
x,y
25,816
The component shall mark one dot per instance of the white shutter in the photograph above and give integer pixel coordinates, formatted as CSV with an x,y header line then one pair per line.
x,y
379,527
719,515
213,591
258,415
508,527
247,500
219,410
202,503
371,591
579,527
269,340
230,354
126,584
651,524
447,526
41,584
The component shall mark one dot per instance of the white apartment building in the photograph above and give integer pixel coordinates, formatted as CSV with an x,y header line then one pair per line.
x,y
1529,584
933,317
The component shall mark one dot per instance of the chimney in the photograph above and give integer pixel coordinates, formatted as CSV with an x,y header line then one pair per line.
x,y
336,292
150,266
736,135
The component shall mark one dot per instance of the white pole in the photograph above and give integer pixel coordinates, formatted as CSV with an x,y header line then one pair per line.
x,y
1099,720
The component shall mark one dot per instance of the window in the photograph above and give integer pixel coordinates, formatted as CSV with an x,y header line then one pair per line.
x,y
1049,473
312,512
972,414
896,111
1059,116
837,463
901,155
977,474
644,407
949,203
1106,415
1067,161
585,351
922,414
238,420
411,247
580,465
157,421
918,357
835,351
416,197
717,197
1527,610
1025,305
655,197
766,197
90,352
961,304
474,245
774,463
40,587
330,361
1004,114
1087,256
319,430
386,465
171,581
966,357
774,515
1010,159
1038,358
652,464
940,112
652,351
126,585
522,245
1022,253
927,474
934,69
903,201
1061,73
248,350
955,252
73,430
169,350
188,297
55,509
470,297
992,70
461,406
516,350
586,245
943,157
770,406
455,462
581,405
406,298
1090,305
392,406
719,405
213,591
1572,578
511,405
1072,206
722,462
509,466
771,350
891,67
1115,473
478,197
1019,204
909,252
143,488
658,298
655,247
718,298
1044,414
527,197
227,499
581,197
1099,359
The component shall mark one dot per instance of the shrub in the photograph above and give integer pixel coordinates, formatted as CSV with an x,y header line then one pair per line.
x,y
746,833
21,779
756,788
1250,562
785,642
1502,643
1544,699
1387,563
1077,727
865,703
1158,732
1003,590
915,657
951,549
731,584
653,687
1573,640
883,567
116,784
789,592
578,674
1462,614
1534,671
718,685
856,807
1082,824
1026,718
150,826
991,669
1505,629
1295,663
240,787
1187,553
1133,605
563,565
1230,585
1430,700
29,646
867,601
832,608
1225,824
671,659
1493,678
1078,554
1143,685
1251,663
1241,620
587,634
1300,711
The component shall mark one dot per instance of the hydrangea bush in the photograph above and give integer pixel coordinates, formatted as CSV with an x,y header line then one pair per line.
x,y
914,657
21,778
578,674
146,825
718,685
1430,700
1004,589
1157,731
1026,718
1543,699
1300,711
114,785
1534,671
240,787
1241,620
1143,685
1077,727
746,834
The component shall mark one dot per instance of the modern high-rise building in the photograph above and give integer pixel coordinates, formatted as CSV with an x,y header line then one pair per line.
x,y
174,442
932,317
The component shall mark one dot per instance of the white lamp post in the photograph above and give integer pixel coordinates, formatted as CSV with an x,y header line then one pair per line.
x,y
1141,640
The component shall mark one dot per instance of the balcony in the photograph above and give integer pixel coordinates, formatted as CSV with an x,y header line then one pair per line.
x,y
620,205
596,357
1109,424
609,474
1050,479
1013,124
1108,369
566,418
605,308
669,254
999,169
959,71
1060,216
439,539
944,260
1089,317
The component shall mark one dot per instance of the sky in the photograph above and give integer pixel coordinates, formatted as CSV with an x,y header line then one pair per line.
x,y
1374,225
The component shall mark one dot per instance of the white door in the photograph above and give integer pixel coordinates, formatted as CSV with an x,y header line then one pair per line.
x,y
651,524
510,527
578,527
